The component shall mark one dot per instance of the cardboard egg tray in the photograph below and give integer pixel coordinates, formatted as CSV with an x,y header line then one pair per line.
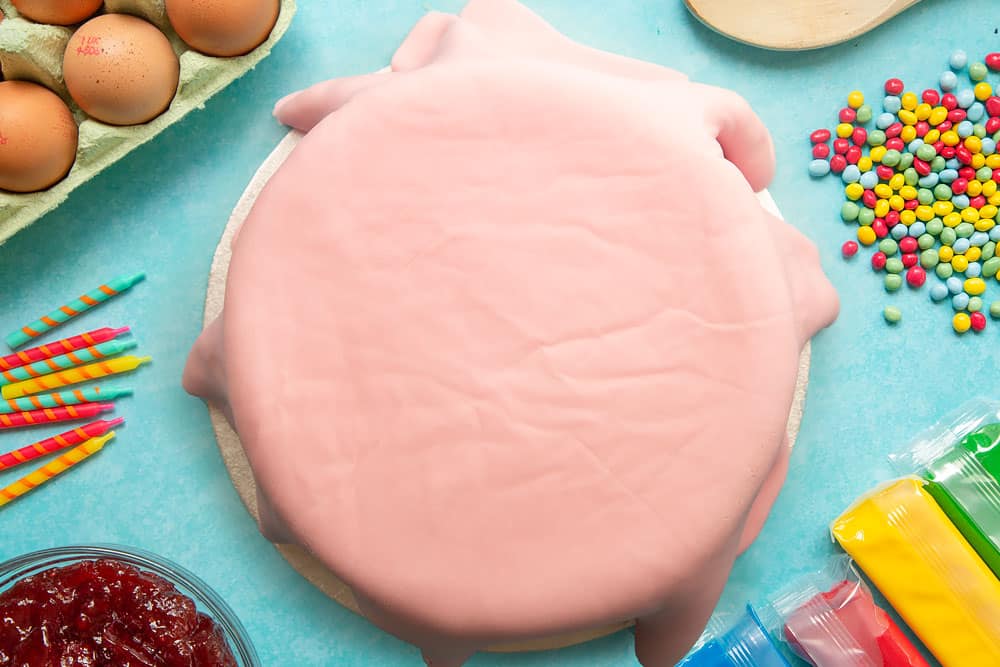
x,y
34,52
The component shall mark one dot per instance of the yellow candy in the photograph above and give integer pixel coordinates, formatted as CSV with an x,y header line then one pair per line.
x,y
908,133
970,214
943,208
994,199
908,117
945,253
974,188
938,116
907,217
978,160
983,91
925,568
856,98
973,254
844,130
950,138
988,211
854,191
883,191
865,164
909,101
975,286
925,213
897,181
923,111
974,144
877,153
993,161
932,136
866,235
989,188
985,224
961,324
882,208
959,263
952,219
897,203
908,192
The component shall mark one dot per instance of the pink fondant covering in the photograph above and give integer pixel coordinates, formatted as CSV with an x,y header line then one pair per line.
x,y
509,341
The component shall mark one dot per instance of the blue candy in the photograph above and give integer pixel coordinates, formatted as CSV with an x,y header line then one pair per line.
x,y
965,98
995,234
928,181
948,81
914,145
953,163
979,239
948,175
819,168
989,146
974,271
960,301
960,201
852,174
964,129
960,246
917,229
939,292
884,120
892,104
958,60
976,112
869,180
954,284
898,231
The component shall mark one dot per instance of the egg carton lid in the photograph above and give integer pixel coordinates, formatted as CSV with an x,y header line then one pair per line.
x,y
33,52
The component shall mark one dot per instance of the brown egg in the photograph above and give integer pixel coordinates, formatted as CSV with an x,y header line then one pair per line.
x,y
58,12
38,137
121,70
223,28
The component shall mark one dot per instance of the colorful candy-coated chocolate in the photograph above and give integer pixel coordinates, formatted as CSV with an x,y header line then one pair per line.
x,y
62,399
893,86
819,168
70,344
65,313
821,151
961,322
69,360
977,71
847,115
893,281
57,442
54,468
995,310
53,415
855,99
916,276
892,314
840,145
820,136
72,376
849,249
838,163
977,321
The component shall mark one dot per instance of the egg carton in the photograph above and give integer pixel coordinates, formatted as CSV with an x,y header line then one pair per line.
x,y
33,52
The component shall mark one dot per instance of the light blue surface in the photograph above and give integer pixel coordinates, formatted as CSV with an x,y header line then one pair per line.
x,y
162,486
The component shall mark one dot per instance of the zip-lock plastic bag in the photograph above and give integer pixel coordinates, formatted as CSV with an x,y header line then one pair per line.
x,y
830,619
924,567
744,644
960,458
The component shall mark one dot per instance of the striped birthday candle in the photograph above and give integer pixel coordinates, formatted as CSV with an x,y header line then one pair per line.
x,y
57,443
53,468
63,314
53,415
72,376
61,399
63,346
63,362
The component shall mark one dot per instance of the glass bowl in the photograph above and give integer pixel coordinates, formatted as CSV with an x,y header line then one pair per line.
x,y
205,598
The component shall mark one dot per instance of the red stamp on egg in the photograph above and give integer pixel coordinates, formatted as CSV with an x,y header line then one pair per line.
x,y
89,46
3,139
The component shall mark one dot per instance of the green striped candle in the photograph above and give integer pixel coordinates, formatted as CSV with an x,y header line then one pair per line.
x,y
69,360
60,399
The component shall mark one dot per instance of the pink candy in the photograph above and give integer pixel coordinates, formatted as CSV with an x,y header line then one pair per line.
x,y
878,260
820,136
916,276
978,321
993,61
893,86
849,249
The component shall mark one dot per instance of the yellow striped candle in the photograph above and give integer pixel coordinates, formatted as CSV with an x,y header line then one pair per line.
x,y
73,376
54,468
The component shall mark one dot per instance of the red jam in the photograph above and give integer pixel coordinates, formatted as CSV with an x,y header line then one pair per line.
x,y
105,613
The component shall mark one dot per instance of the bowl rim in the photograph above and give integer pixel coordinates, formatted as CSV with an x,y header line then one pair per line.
x,y
19,567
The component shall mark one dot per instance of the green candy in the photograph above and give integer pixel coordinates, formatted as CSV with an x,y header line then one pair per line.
x,y
975,304
925,242
849,211
965,230
866,217
929,259
910,176
977,72
996,136
979,131
864,114
935,226
892,314
984,174
943,192
925,196
995,310
906,160
876,138
894,265
989,249
891,158
944,270
893,282
948,236
938,164
926,152
991,267
888,246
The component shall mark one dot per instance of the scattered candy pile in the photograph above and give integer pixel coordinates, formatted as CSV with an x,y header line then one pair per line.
x,y
923,186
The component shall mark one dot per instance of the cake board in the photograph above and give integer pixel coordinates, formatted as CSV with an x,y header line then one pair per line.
x,y
239,467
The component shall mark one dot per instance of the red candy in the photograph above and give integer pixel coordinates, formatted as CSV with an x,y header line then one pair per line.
x,y
978,201
892,218
916,276
820,136
894,130
993,61
911,204
895,144
880,228
978,321
922,167
847,115
878,260
992,125
931,97
956,115
922,127
993,105
945,126
860,136
968,173
883,172
959,186
821,151
996,175
893,86
838,163
963,154
949,101
938,146
947,152
909,260
869,198
907,244
853,154
840,146
849,249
